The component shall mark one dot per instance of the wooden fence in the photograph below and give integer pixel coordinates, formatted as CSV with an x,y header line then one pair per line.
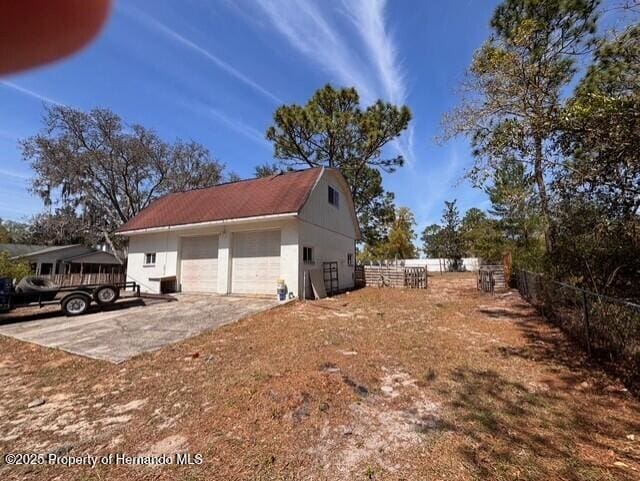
x,y
415,277
87,279
491,278
391,276
486,282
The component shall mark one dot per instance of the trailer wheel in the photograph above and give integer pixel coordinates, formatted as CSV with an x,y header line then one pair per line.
x,y
105,295
76,304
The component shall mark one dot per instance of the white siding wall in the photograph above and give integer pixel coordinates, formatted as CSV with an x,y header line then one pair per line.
x,y
327,246
318,211
165,245
224,263
329,230
290,255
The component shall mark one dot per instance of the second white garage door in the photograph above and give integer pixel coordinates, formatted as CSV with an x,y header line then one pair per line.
x,y
199,265
256,262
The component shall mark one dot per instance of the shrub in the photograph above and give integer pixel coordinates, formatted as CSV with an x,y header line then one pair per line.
x,y
13,269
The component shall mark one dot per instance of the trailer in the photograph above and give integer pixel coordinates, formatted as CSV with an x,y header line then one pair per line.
x,y
34,291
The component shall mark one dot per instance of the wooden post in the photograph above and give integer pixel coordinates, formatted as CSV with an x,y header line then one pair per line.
x,y
507,262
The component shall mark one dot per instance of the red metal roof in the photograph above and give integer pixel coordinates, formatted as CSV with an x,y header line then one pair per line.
x,y
278,194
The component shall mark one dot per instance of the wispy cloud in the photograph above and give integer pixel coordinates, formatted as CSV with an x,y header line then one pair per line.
x,y
370,64
160,27
30,93
233,123
368,17
10,136
14,174
309,29
239,126
404,145
13,210
439,185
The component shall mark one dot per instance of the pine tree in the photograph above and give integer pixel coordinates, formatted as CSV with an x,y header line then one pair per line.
x,y
512,96
332,130
452,243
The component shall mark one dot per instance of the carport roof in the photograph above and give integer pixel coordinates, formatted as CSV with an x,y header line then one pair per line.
x,y
93,257
277,194
49,249
15,250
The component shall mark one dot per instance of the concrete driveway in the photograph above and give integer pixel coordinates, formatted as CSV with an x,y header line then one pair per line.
x,y
132,327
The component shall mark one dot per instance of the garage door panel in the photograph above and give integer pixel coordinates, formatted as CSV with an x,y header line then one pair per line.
x,y
256,262
199,264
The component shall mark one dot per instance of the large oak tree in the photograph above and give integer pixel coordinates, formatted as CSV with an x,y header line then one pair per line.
x,y
93,164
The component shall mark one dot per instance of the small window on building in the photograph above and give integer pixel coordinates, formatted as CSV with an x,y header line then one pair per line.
x,y
150,259
334,197
349,259
307,255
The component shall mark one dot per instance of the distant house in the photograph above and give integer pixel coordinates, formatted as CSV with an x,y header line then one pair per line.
x,y
15,250
68,259
242,237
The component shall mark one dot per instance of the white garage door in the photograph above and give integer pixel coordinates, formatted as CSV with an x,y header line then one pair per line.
x,y
199,264
256,262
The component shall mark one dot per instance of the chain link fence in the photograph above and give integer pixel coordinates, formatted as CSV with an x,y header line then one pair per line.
x,y
607,328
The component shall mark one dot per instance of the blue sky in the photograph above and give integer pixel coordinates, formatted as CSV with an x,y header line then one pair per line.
x,y
214,71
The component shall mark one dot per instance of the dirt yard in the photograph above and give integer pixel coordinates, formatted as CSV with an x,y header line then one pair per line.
x,y
447,384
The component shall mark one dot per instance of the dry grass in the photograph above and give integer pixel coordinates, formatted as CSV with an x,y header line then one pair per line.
x,y
377,384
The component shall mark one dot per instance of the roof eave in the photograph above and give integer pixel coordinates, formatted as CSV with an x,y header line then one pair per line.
x,y
213,223
46,250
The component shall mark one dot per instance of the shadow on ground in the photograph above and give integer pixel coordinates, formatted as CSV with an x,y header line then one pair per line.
x,y
552,347
514,432
47,312
570,424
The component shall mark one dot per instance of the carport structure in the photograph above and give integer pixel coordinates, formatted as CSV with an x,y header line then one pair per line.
x,y
71,259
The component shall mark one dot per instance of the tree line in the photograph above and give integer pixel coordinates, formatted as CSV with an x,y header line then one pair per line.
x,y
556,144
550,105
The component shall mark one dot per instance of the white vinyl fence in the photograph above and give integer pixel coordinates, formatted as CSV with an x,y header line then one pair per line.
x,y
432,265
